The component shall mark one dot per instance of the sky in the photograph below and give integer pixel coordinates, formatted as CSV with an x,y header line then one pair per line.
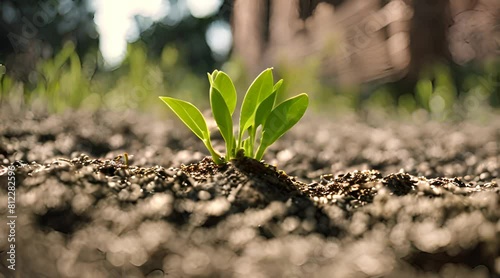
x,y
116,24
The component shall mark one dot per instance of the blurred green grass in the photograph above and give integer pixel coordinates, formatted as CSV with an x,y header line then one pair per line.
x,y
66,82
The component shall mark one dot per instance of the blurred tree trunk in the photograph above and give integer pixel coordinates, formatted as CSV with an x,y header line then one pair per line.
x,y
428,35
249,29
363,40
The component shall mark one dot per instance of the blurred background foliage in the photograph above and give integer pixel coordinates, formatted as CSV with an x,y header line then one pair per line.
x,y
51,61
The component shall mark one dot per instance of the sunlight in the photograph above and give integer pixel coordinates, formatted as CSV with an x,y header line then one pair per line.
x,y
205,8
219,38
117,26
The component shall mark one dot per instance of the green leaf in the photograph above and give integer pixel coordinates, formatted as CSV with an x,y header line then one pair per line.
x,y
215,73
194,120
267,105
210,79
212,76
246,147
262,112
277,86
225,86
280,120
234,150
259,90
189,115
251,132
222,118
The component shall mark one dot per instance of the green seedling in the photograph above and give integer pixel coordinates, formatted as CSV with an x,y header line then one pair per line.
x,y
261,121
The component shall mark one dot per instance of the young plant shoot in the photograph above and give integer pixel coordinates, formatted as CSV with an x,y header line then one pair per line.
x,y
258,110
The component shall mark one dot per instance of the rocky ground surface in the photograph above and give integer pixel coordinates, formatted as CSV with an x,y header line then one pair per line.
x,y
337,198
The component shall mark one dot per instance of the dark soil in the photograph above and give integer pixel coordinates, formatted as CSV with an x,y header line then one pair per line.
x,y
358,199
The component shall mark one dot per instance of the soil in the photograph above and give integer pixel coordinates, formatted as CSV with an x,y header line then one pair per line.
x,y
339,197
